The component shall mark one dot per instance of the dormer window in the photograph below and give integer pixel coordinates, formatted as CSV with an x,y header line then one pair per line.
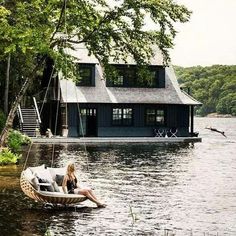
x,y
87,75
119,82
128,76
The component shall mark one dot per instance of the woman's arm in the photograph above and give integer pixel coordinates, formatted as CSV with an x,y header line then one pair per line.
x,y
64,183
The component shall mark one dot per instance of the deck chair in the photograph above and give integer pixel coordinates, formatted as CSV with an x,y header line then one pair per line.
x,y
159,132
173,132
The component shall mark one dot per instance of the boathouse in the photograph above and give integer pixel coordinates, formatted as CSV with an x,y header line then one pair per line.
x,y
125,106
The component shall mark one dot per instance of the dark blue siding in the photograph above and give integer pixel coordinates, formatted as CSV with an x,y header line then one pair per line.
x,y
177,116
73,121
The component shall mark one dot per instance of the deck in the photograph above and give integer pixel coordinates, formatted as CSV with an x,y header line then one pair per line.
x,y
115,140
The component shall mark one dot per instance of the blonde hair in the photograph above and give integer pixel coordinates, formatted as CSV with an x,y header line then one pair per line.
x,y
70,169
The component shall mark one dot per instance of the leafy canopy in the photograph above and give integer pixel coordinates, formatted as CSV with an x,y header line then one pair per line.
x,y
214,86
35,28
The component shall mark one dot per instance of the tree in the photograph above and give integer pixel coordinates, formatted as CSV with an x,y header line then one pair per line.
x,y
227,104
37,29
214,86
7,85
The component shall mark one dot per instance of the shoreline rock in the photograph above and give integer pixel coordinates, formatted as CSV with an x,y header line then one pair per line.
x,y
216,115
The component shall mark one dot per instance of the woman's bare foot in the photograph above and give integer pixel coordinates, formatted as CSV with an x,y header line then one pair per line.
x,y
100,205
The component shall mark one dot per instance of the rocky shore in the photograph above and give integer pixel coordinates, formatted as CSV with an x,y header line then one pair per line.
x,y
216,115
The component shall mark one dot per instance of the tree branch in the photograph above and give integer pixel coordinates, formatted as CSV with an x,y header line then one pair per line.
x,y
60,19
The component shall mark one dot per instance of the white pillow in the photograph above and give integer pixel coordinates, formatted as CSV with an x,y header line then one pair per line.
x,y
35,183
44,174
56,171
36,168
28,174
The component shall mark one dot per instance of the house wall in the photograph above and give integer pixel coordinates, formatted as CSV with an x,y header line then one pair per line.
x,y
51,118
73,121
177,116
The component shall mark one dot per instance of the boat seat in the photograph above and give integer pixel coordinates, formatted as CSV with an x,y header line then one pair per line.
x,y
31,186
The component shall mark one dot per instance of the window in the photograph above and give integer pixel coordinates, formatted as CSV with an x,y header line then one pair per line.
x,y
127,116
160,117
117,116
87,75
130,76
125,77
151,82
119,81
122,116
150,116
155,117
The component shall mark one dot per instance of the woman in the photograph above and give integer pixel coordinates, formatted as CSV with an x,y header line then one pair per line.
x,y
70,181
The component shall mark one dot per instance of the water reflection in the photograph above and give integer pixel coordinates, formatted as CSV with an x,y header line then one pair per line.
x,y
181,188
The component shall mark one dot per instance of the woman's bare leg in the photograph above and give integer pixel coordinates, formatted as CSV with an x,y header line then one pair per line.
x,y
86,193
92,194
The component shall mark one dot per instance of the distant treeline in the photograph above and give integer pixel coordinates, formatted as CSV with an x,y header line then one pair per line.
x,y
214,86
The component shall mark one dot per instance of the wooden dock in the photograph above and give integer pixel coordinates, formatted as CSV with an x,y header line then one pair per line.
x,y
115,140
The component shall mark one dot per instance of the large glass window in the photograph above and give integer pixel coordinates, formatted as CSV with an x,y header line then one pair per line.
x,y
155,117
122,116
86,73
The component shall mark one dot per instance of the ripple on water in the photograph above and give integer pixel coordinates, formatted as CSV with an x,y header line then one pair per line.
x,y
149,189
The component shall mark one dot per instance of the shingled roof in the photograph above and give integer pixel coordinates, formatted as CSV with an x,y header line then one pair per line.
x,y
171,94
80,53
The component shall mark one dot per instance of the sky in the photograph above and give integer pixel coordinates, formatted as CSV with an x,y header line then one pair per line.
x,y
209,37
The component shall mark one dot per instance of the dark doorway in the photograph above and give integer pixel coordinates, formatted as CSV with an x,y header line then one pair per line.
x,y
89,122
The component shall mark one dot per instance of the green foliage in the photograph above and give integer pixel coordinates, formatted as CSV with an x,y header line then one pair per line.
x,y
31,31
214,86
227,104
2,120
15,140
32,28
8,157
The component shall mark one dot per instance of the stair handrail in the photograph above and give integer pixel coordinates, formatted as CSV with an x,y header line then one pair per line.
x,y
37,110
20,113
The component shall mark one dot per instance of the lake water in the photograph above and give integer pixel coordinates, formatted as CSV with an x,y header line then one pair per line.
x,y
161,189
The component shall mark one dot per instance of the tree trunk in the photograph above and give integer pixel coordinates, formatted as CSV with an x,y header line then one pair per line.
x,y
7,84
11,115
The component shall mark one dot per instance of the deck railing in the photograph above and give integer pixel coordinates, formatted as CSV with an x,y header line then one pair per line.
x,y
37,110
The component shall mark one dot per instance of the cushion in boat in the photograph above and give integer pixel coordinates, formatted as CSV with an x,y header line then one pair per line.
x,y
48,187
56,171
36,168
55,186
44,175
59,179
28,174
35,183
31,178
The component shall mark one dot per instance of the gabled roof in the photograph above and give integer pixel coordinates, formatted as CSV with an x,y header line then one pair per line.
x,y
171,94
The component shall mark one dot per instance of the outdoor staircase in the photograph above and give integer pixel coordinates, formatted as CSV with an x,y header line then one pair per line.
x,y
30,121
